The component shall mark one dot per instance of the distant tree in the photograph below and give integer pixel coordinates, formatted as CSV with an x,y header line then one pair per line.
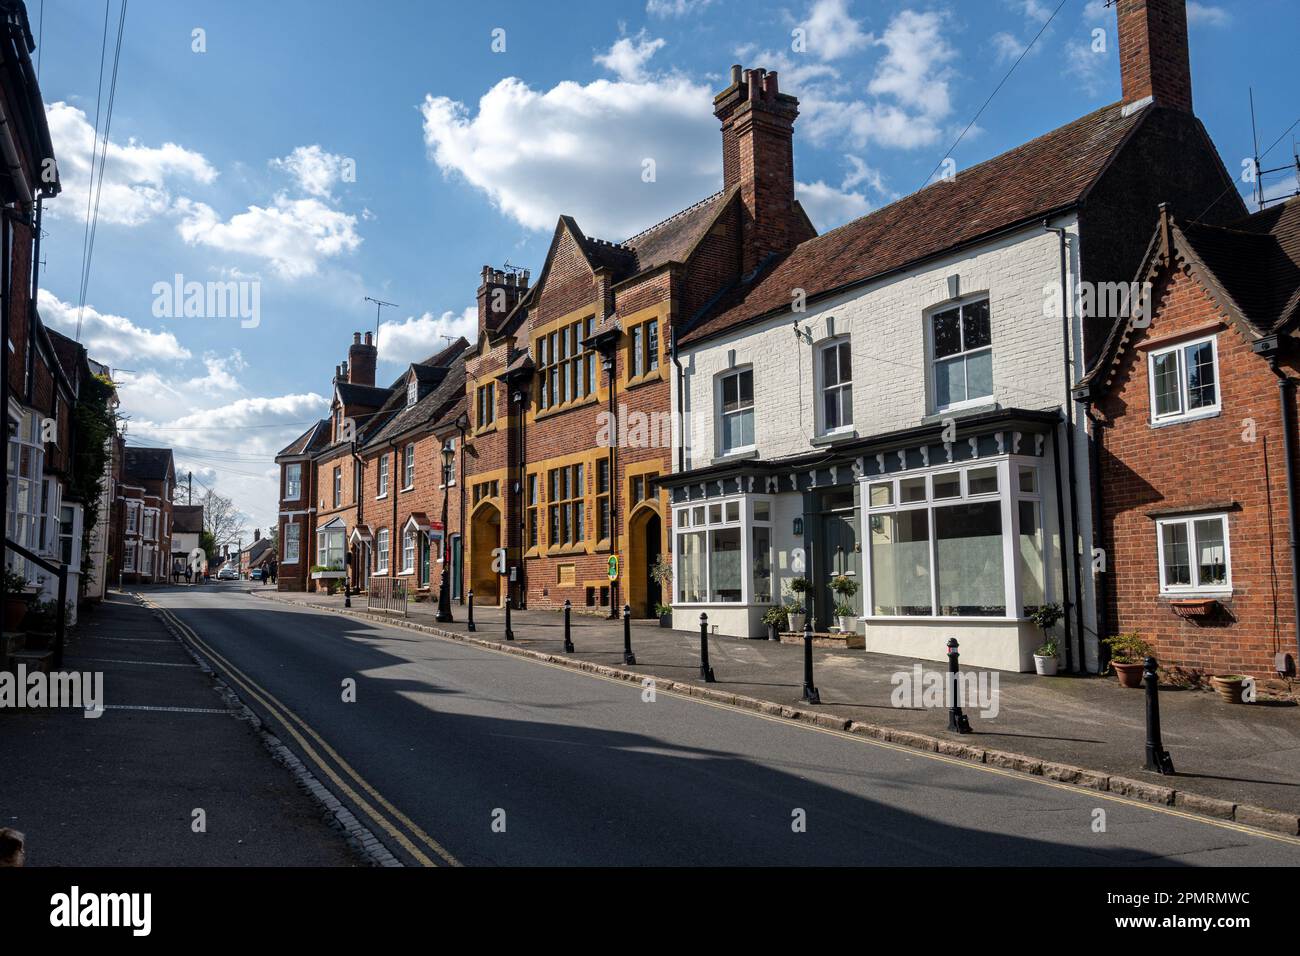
x,y
222,519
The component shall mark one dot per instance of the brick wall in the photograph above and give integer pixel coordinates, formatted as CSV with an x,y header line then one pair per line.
x,y
1190,465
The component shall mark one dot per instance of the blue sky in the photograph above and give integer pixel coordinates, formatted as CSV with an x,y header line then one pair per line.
x,y
329,151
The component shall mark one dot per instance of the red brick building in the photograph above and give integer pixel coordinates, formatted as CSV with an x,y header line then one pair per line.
x,y
569,396
144,498
1195,417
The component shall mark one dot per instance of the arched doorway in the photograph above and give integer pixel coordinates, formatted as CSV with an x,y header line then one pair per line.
x,y
484,538
645,545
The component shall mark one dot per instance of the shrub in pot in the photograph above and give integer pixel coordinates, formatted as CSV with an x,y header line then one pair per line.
x,y
1045,617
775,619
665,614
798,587
15,599
844,588
1127,653
845,616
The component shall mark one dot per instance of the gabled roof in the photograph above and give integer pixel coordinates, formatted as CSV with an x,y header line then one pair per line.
x,y
150,464
369,396
317,436
399,419
440,359
187,519
672,240
1250,267
1044,176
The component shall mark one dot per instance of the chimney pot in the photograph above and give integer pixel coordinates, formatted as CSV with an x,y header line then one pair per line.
x,y
735,73
356,338
370,338
769,85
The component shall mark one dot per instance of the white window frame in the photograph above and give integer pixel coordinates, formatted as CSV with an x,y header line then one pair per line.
x,y
133,516
323,548
337,479
722,416
410,550
697,517
965,354
1184,414
383,543
25,484
839,387
292,543
412,391
408,467
1008,495
1195,587
381,482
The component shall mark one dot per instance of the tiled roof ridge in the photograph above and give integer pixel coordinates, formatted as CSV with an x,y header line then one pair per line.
x,y
677,215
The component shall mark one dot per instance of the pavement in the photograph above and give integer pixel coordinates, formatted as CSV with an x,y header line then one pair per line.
x,y
121,789
452,753
1245,755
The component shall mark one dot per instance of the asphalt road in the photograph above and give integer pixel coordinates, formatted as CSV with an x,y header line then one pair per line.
x,y
452,753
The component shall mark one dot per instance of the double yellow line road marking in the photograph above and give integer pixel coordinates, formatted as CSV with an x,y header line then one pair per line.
x,y
385,816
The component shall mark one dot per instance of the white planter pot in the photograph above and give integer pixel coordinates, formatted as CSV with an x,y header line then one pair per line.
x,y
797,622
848,624
1045,666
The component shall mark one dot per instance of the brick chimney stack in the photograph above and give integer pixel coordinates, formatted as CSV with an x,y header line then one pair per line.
x,y
499,292
758,155
1153,59
362,357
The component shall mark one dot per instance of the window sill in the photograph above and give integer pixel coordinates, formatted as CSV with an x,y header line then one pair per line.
x,y
381,497
406,488
1185,419
1201,594
738,454
552,410
654,375
567,551
834,438
961,410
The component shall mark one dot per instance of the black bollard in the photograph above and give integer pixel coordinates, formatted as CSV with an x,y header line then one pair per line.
x,y
809,689
957,721
706,672
568,640
1158,759
469,613
510,634
347,594
628,656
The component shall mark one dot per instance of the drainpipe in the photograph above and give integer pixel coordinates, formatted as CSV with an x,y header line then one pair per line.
x,y
681,399
1072,477
612,376
460,497
1270,348
393,490
1095,449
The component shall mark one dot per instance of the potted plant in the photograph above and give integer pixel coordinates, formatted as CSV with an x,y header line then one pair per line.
x,y
775,619
1127,652
665,613
1045,617
661,572
15,599
846,616
794,608
845,587
1231,687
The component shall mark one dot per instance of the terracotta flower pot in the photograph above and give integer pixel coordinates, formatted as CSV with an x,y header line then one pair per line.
x,y
1130,675
15,611
1229,688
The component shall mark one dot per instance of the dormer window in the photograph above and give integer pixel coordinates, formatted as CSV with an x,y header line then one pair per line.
x,y
412,392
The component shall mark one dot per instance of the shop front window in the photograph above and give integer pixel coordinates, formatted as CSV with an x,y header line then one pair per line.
x,y
957,542
724,552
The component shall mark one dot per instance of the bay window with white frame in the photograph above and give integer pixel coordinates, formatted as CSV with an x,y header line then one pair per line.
x,y
956,541
724,552
331,547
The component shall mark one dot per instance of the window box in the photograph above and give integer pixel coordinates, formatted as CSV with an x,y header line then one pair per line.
x,y
1190,609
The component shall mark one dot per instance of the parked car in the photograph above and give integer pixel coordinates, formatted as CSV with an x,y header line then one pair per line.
x,y
227,574
257,574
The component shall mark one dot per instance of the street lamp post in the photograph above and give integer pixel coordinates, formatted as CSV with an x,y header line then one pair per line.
x,y
444,585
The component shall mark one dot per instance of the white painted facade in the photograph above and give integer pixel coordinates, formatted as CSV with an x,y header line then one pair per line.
x,y
888,325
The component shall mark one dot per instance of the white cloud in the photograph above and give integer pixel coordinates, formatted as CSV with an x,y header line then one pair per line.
x,y
859,173
314,170
581,149
1007,47
628,57
1204,14
1034,10
831,31
910,90
112,339
830,206
418,337
674,8
1088,67
136,177
293,235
